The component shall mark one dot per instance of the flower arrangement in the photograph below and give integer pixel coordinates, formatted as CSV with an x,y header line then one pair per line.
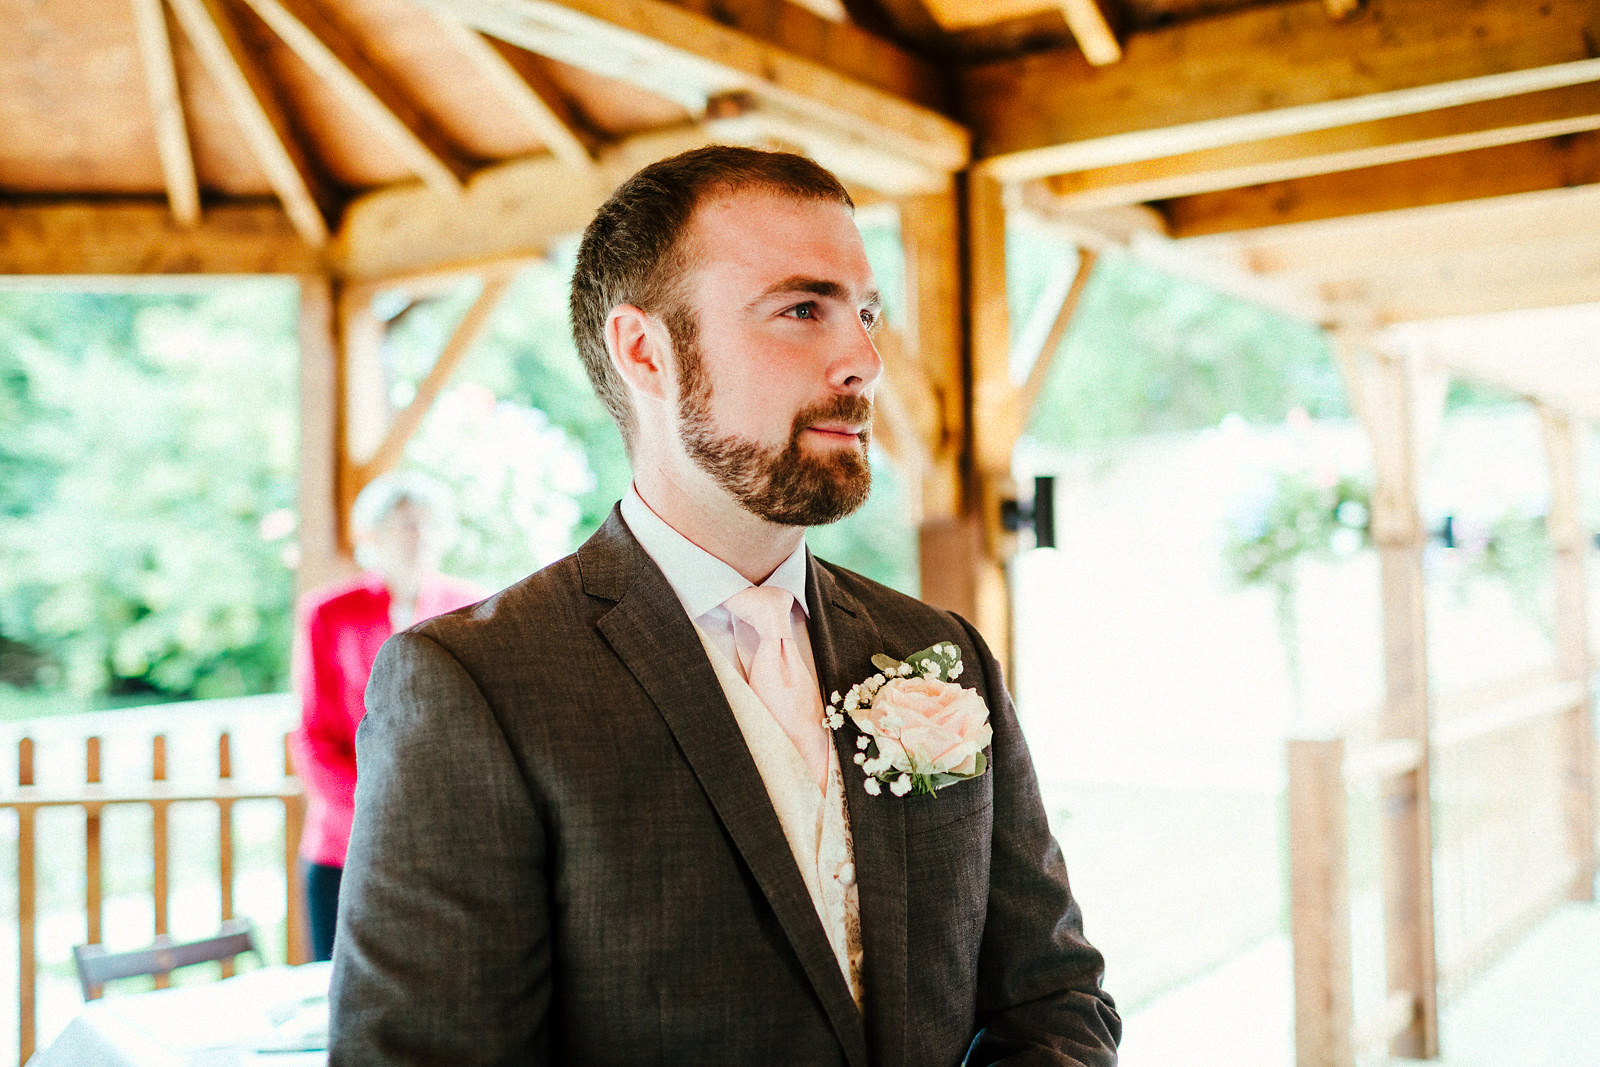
x,y
919,729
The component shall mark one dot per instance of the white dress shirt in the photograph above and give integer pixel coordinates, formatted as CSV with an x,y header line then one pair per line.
x,y
814,822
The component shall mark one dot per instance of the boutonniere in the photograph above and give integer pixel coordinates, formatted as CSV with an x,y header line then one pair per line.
x,y
919,729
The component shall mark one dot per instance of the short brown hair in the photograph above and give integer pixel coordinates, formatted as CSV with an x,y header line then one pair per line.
x,y
633,253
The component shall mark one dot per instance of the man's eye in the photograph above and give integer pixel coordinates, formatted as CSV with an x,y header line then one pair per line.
x,y
869,318
804,311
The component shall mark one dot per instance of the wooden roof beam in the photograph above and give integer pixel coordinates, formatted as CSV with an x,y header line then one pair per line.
x,y
1265,72
835,74
507,211
1487,123
1507,170
530,92
1096,40
1313,252
254,103
141,237
1451,298
853,154
166,105
344,68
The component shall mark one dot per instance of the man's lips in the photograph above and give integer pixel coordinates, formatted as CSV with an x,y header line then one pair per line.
x,y
837,430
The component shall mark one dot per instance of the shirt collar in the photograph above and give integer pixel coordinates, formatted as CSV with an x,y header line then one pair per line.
x,y
702,581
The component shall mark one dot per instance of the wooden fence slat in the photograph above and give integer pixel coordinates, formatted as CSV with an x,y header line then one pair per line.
x,y
160,889
1324,1011
93,865
26,903
296,947
225,839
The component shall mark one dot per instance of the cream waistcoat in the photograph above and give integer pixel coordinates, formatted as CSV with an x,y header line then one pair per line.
x,y
813,823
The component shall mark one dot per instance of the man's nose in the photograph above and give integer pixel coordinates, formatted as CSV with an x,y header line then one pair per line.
x,y
856,366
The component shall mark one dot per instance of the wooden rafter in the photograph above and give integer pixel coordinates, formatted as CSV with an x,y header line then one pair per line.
x,y
1094,35
1526,167
341,64
253,101
522,82
1508,120
1263,72
166,105
841,77
409,419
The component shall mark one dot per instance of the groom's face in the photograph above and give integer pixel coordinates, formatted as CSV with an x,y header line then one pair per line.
x,y
776,379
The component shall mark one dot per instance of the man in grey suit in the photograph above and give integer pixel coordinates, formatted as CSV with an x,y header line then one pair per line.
x,y
582,838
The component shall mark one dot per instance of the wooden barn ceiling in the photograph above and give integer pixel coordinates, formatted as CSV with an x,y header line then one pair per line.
x,y
1361,164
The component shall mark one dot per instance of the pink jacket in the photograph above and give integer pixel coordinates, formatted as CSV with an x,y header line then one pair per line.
x,y
341,627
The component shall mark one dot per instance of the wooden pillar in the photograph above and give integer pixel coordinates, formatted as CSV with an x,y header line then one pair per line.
x,y
1569,546
1319,891
324,539
992,421
958,569
1383,394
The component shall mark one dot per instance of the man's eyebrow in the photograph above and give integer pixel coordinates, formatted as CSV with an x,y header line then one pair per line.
x,y
801,283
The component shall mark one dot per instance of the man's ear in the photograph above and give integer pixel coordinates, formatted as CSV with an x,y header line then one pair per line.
x,y
639,348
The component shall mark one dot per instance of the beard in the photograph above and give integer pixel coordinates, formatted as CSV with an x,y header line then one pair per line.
x,y
784,484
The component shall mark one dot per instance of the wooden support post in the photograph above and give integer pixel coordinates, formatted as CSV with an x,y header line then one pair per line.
x,y
991,425
323,538
930,234
1319,892
955,563
1569,544
1383,394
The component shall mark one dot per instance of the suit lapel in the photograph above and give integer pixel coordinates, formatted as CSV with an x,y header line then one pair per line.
x,y
655,640
844,639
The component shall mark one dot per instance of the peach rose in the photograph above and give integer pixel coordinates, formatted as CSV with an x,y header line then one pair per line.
x,y
926,726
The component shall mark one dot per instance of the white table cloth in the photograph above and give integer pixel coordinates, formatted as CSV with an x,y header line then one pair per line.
x,y
272,1017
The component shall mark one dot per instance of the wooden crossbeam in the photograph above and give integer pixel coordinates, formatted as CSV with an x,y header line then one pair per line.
x,y
166,105
512,210
522,82
142,237
1490,172
843,77
1265,72
342,65
1507,120
853,154
1048,346
409,419
1096,40
1371,245
253,101
1527,251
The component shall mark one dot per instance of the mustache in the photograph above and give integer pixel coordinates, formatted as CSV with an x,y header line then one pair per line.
x,y
851,409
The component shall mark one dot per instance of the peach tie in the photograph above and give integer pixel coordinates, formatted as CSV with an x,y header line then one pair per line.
x,y
777,672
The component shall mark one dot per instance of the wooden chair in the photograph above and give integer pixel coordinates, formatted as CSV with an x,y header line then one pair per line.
x,y
96,966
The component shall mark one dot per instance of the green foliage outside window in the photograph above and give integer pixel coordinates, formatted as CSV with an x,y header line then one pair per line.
x,y
147,441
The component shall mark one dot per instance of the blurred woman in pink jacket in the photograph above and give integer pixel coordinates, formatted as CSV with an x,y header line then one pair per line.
x,y
400,524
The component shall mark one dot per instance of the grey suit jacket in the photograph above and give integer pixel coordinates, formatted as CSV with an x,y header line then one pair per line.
x,y
563,853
